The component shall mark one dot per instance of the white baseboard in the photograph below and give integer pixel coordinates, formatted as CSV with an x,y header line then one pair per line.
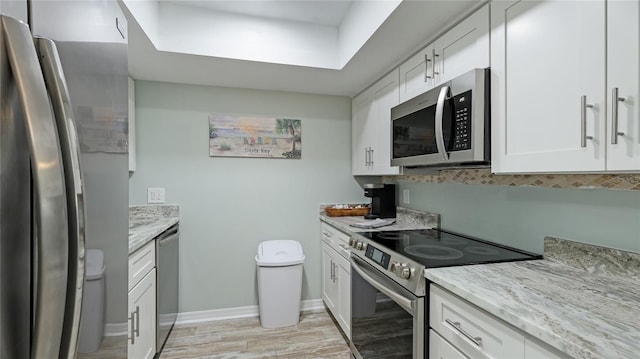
x,y
238,312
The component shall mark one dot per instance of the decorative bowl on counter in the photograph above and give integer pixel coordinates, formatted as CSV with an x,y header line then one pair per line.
x,y
343,210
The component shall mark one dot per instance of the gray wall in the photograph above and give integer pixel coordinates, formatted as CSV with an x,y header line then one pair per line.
x,y
523,216
229,205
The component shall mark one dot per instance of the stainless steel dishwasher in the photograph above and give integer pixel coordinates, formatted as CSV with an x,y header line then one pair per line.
x,y
167,251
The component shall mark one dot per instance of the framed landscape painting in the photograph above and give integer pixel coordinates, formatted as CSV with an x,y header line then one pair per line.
x,y
246,136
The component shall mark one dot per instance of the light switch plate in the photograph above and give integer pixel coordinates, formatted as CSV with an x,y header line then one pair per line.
x,y
155,195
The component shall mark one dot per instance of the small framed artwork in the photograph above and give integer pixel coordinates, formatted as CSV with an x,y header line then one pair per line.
x,y
247,136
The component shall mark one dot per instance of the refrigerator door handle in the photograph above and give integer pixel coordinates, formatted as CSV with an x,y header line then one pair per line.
x,y
50,208
70,146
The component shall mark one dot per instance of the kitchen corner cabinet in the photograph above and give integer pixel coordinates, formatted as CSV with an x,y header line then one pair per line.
x,y
555,68
336,277
132,125
371,128
142,303
464,47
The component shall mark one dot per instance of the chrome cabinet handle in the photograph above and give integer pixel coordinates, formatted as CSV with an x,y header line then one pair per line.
x,y
426,67
433,63
444,92
583,121
615,99
137,320
366,156
135,324
456,325
334,271
331,270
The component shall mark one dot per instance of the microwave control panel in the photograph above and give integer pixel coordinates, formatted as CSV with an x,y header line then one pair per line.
x,y
462,122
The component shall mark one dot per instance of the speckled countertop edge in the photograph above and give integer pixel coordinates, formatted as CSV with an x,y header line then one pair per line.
x,y
582,299
146,222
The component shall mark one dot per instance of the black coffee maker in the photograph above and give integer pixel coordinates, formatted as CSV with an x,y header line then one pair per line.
x,y
383,200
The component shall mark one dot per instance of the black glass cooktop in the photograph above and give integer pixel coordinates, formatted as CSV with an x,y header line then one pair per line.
x,y
438,248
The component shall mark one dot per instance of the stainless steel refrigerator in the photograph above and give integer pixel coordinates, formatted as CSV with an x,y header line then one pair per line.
x,y
63,172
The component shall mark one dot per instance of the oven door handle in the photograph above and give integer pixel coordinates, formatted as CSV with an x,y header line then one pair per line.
x,y
444,92
404,302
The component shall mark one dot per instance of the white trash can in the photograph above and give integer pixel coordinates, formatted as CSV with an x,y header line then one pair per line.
x,y
279,282
92,314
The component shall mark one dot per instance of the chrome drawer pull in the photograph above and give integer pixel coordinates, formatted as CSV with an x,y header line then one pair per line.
x,y
426,68
456,325
614,116
135,320
583,121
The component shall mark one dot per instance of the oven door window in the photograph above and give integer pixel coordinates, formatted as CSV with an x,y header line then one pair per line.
x,y
380,328
415,133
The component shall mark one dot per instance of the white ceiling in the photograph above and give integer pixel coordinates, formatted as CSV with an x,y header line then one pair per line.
x,y
328,13
410,26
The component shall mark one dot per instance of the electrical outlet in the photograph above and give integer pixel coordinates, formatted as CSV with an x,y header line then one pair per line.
x,y
155,195
405,196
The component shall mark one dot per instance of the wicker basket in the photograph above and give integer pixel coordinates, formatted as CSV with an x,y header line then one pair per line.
x,y
343,212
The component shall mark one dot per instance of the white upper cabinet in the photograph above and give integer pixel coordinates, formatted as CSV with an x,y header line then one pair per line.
x,y
551,101
464,47
361,108
623,62
371,128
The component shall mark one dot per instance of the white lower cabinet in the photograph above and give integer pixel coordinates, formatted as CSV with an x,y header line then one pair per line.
x,y
461,330
142,318
142,303
336,277
472,331
329,286
343,270
442,349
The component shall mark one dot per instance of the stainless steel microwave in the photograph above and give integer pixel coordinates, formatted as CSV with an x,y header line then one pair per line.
x,y
447,126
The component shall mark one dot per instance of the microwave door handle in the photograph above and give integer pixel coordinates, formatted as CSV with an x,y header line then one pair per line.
x,y
444,92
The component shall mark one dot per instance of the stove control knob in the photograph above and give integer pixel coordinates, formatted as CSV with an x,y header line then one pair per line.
x,y
405,272
392,266
352,242
359,245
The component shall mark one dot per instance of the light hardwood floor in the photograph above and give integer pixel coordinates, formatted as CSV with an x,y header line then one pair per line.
x,y
316,336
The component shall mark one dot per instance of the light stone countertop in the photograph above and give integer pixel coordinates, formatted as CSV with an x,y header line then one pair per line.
x,y
149,221
581,299
406,219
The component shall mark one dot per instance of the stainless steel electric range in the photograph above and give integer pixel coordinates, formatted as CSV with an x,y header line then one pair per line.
x,y
389,293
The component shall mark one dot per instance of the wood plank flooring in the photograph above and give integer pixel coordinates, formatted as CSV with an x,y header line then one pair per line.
x,y
316,336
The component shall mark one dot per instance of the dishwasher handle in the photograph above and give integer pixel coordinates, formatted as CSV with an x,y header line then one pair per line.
x,y
169,235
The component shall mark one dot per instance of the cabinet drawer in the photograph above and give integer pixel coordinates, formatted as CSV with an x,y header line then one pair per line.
x,y
141,262
333,237
474,332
